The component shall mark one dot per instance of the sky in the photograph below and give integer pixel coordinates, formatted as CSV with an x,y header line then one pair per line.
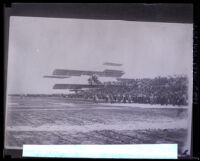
x,y
38,45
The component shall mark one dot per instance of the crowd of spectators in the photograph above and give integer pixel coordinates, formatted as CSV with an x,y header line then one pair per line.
x,y
159,90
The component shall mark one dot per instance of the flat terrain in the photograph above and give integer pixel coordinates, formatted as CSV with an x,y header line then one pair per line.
x,y
56,120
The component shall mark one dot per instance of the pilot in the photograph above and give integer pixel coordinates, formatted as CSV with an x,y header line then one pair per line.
x,y
95,99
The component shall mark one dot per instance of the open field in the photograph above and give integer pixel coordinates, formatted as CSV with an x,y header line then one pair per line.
x,y
56,120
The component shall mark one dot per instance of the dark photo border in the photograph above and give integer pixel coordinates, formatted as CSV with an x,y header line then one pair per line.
x,y
151,12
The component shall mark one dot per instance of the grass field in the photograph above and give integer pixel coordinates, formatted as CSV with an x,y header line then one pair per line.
x,y
56,120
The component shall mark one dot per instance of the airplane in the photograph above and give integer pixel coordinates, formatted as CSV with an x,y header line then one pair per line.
x,y
68,73
93,80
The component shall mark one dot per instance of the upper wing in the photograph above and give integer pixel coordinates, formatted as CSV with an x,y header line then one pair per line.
x,y
56,76
105,73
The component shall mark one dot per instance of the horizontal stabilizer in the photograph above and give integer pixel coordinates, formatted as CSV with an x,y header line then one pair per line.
x,y
112,64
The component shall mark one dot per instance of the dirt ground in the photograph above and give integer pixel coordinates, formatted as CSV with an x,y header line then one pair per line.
x,y
43,120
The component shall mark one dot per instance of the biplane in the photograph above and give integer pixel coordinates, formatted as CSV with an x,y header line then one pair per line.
x,y
93,82
67,73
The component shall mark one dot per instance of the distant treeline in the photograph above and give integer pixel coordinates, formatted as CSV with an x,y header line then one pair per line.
x,y
38,95
159,90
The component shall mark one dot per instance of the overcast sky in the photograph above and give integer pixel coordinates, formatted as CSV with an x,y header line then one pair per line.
x,y
146,49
